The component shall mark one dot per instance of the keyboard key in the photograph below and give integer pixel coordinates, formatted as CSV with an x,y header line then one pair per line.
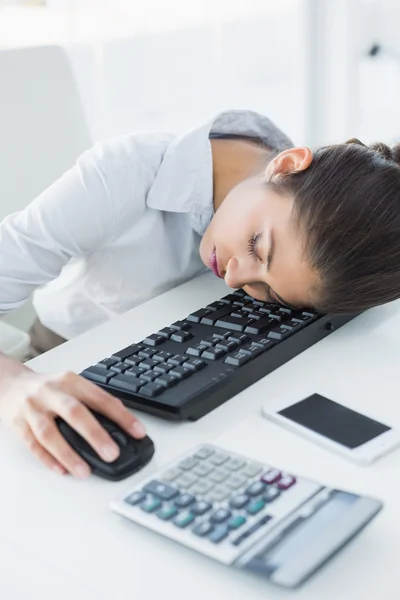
x,y
240,338
255,488
106,363
219,458
152,389
213,353
219,534
265,343
162,368
236,522
203,469
252,469
135,498
222,336
167,380
129,351
201,487
147,352
253,529
286,482
279,333
149,363
133,361
154,340
166,513
255,506
181,372
219,475
234,464
209,341
235,323
166,332
184,519
271,494
188,463
148,376
219,493
162,356
238,359
240,293
119,367
161,490
236,481
201,507
196,350
184,500
98,374
239,501
135,371
271,476
203,453
215,305
260,326
186,480
150,505
203,529
252,349
181,325
213,317
229,299
127,383
171,474
196,316
181,336
194,364
220,515
292,326
176,360
227,345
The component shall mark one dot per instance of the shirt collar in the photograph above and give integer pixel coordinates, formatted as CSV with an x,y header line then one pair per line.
x,y
184,181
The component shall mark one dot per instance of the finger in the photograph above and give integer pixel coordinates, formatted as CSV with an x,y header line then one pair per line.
x,y
108,405
77,415
37,450
49,437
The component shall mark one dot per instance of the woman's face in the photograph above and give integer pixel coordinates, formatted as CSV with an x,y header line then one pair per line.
x,y
257,246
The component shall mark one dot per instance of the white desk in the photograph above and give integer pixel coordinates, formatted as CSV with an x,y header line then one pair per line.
x,y
58,532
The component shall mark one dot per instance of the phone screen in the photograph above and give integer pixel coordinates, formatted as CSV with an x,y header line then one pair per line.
x,y
334,421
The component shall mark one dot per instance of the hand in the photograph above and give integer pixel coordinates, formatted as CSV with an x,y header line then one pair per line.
x,y
29,403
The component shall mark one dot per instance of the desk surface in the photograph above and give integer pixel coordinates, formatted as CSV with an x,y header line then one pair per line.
x,y
59,531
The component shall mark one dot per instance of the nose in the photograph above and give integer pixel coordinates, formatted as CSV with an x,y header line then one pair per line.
x,y
239,273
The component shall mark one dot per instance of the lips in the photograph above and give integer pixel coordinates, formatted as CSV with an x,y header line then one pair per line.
x,y
214,264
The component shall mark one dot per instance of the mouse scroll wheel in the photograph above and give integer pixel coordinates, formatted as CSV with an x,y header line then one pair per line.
x,y
119,437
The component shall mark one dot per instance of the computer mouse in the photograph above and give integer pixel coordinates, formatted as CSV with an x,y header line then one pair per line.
x,y
134,453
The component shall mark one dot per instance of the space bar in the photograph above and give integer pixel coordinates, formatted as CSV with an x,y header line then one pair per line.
x,y
237,324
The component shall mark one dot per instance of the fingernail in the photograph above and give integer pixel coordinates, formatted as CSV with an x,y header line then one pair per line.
x,y
82,471
138,430
110,452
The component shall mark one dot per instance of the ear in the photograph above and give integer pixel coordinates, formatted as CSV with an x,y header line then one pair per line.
x,y
289,161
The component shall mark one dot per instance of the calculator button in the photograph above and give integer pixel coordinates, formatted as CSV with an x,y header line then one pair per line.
x,y
236,522
184,519
204,453
255,488
234,464
220,515
202,487
237,541
161,490
236,481
271,476
219,493
201,507
203,529
184,500
218,475
186,480
219,458
239,501
219,534
188,463
286,482
171,474
150,505
135,498
167,513
271,494
255,506
203,469
251,469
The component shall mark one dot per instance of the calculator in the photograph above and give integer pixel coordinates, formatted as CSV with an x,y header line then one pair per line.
x,y
247,514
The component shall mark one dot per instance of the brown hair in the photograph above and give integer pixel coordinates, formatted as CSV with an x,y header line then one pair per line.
x,y
347,206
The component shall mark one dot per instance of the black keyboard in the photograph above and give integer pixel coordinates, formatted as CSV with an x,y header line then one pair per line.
x,y
189,368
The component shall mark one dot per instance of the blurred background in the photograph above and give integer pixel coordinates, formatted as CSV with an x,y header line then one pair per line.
x,y
73,72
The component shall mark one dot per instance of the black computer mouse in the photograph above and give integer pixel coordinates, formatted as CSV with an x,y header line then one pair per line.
x,y
134,454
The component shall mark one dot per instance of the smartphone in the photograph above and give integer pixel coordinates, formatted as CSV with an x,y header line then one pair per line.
x,y
335,427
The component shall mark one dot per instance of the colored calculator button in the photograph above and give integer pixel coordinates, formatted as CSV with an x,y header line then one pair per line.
x,y
286,482
271,476
255,488
184,500
135,498
167,513
184,519
219,534
255,506
150,505
203,529
236,522
271,494
161,490
239,501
